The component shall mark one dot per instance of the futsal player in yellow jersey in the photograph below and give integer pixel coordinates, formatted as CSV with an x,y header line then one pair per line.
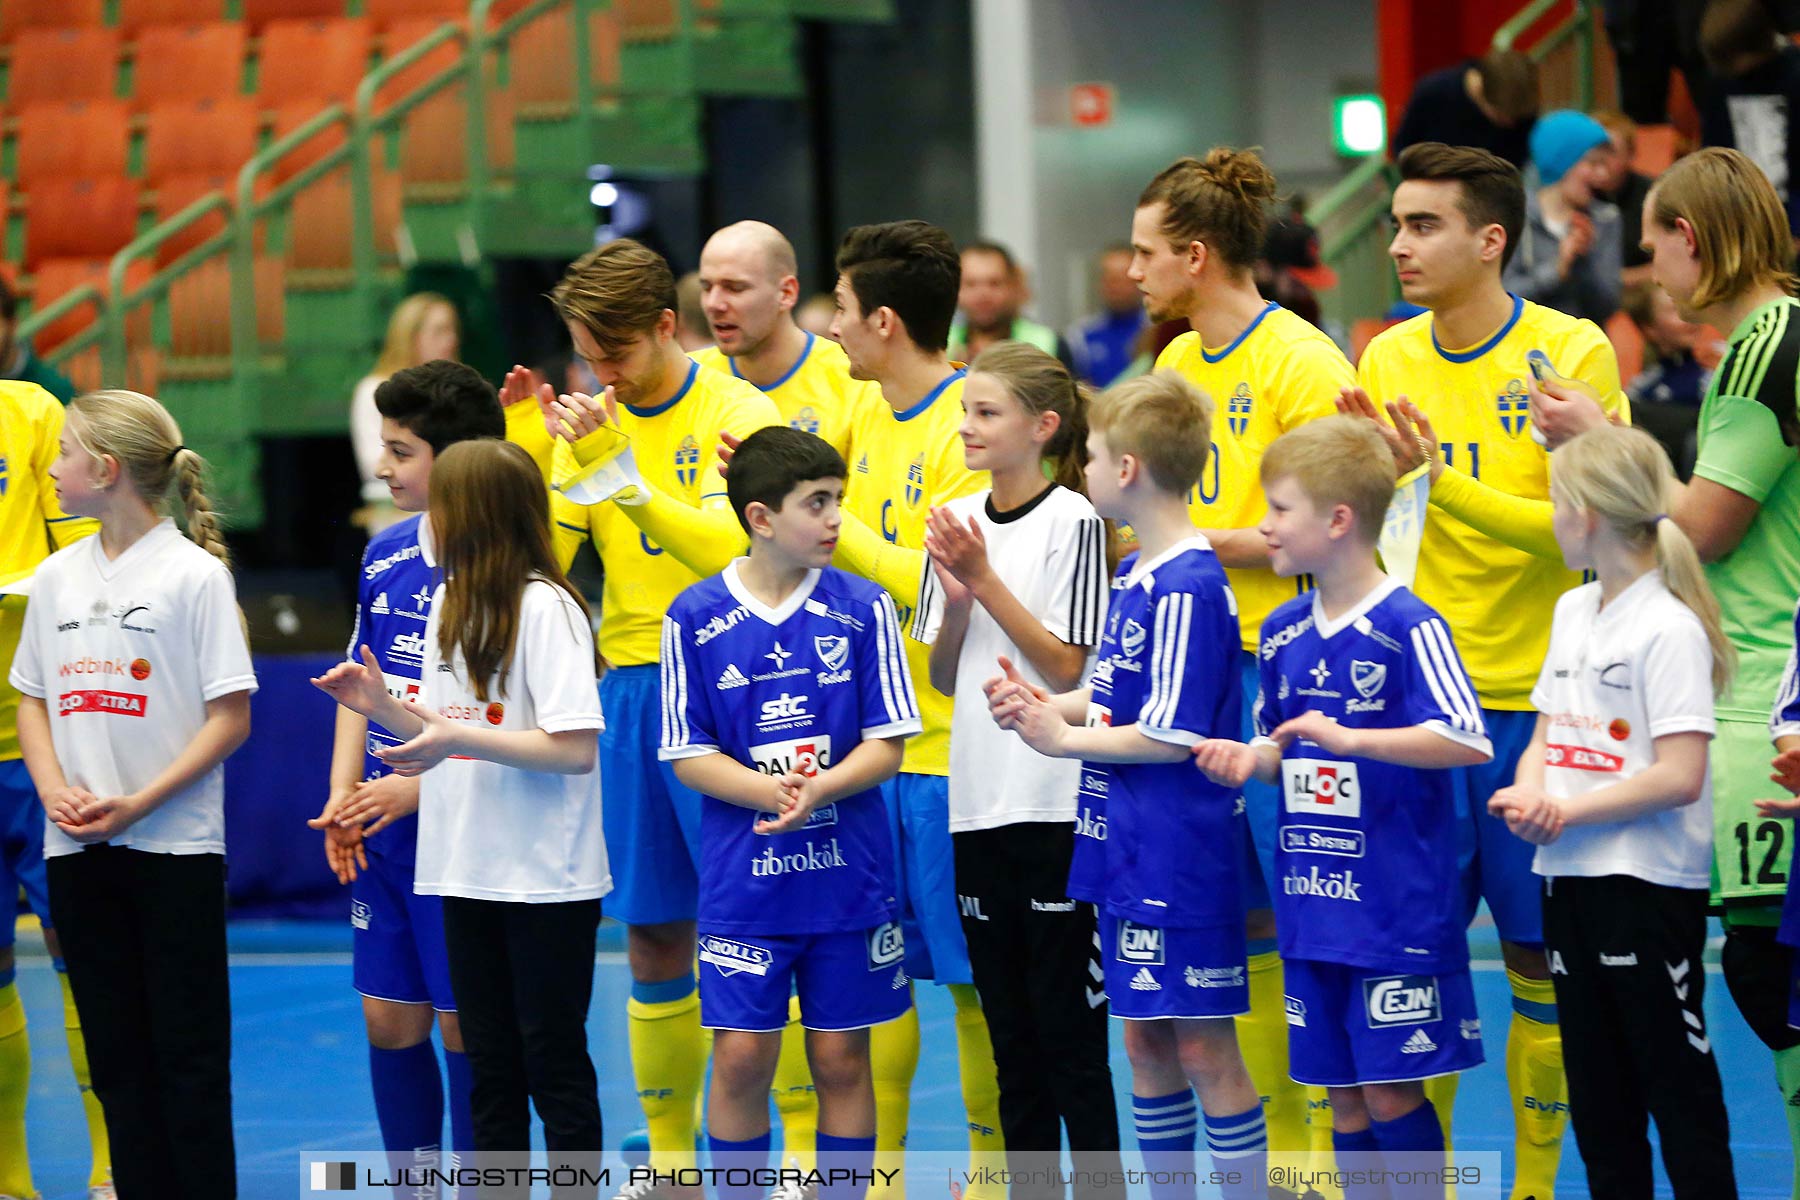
x,y
748,290
1457,213
1197,230
32,524
896,295
618,302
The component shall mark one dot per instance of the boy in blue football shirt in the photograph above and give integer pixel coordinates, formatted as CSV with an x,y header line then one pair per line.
x,y
398,959
1157,847
1363,705
785,692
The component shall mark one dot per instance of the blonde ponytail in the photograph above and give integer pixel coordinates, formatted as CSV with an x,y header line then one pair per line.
x,y
140,435
1623,476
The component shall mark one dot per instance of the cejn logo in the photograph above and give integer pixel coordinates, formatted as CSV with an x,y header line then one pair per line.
x,y
1401,1000
886,946
1140,943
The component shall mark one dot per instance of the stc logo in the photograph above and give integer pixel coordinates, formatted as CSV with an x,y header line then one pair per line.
x,y
784,707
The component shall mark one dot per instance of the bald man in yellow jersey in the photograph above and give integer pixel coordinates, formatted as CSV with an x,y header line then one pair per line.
x,y
896,296
1457,213
32,524
748,289
1197,230
618,303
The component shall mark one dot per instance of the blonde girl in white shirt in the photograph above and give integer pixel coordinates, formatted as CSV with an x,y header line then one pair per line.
x,y
136,680
1615,791
509,804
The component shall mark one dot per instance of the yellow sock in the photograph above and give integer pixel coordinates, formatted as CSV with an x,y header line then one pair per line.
x,y
15,1086
1262,1036
1321,1156
893,1058
101,1170
1540,1093
668,1062
796,1101
981,1091
1441,1091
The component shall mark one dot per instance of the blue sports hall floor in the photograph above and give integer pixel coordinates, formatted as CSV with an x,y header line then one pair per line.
x,y
301,1078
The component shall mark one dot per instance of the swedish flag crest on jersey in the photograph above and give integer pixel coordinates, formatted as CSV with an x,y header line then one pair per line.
x,y
1237,409
915,482
687,461
5,474
1515,407
806,420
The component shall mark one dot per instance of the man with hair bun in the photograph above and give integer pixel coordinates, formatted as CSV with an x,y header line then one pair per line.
x,y
1197,232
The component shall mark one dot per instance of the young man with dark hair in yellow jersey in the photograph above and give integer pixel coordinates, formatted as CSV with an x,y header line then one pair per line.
x,y
32,524
1197,231
1456,213
661,537
896,295
748,289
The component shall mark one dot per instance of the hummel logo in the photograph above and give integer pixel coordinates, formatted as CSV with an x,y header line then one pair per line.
x,y
1143,981
779,656
731,677
1418,1043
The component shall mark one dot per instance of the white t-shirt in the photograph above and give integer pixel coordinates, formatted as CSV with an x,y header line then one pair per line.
x,y
127,652
1051,553
491,832
1615,680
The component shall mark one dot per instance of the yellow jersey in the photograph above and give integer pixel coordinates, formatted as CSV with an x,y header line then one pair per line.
x,y
816,394
907,462
525,427
675,445
1279,373
1497,598
32,523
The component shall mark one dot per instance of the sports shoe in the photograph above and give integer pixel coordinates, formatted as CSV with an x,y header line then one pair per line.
x,y
793,1189
103,1191
652,1188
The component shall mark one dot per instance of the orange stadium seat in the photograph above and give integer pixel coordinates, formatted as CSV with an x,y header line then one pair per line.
x,y
1628,345
136,15
41,60
388,13
79,218
292,117
541,58
200,303
76,139
400,36
58,276
319,229
17,15
175,193
316,60
198,137
189,62
258,13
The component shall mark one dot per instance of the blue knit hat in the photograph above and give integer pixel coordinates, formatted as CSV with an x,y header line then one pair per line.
x,y
1559,139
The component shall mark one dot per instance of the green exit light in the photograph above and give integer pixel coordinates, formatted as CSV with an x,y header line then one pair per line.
x,y
1359,125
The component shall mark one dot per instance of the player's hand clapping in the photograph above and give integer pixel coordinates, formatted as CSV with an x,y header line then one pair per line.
x,y
1786,771
958,550
343,843
1409,436
375,804
1225,762
573,415
1026,710
359,687
438,740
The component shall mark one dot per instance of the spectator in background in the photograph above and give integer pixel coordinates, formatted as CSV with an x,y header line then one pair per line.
x,y
1625,188
691,330
1755,103
1666,394
1569,255
988,305
815,314
423,328
1103,343
1650,38
18,360
1489,102
1291,273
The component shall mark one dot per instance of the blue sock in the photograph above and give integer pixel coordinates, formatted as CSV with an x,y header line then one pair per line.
x,y
845,1154
1359,1143
1418,1137
1166,1126
748,1156
1240,1145
409,1101
462,1120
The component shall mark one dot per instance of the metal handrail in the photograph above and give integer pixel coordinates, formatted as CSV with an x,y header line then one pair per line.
x,y
62,306
114,353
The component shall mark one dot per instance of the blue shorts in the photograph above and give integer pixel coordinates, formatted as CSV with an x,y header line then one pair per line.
x,y
1496,865
1348,1026
397,936
651,821
1262,807
846,980
1154,973
925,879
21,847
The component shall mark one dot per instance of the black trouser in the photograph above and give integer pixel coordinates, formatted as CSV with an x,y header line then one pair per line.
x,y
1758,972
523,975
143,936
1036,960
1625,956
